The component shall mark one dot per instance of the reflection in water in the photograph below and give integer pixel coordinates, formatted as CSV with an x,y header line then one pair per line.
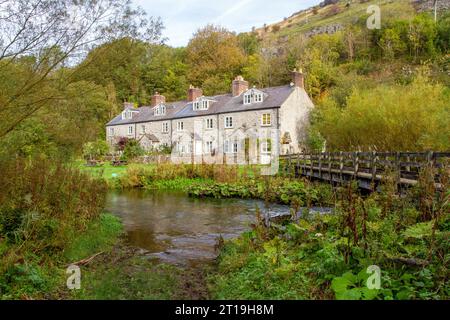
x,y
180,229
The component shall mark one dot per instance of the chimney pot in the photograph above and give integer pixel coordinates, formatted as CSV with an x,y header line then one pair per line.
x,y
157,99
194,93
298,78
239,86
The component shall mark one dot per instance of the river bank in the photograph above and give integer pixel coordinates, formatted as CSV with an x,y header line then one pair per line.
x,y
167,246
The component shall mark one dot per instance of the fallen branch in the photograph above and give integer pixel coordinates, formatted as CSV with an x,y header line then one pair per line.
x,y
87,260
409,261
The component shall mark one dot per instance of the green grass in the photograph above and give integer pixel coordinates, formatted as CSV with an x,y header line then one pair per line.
x,y
181,184
130,279
101,235
106,171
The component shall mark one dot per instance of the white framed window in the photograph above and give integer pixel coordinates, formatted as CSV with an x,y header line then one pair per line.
x,y
159,110
111,131
253,96
209,123
228,122
230,146
201,104
128,114
266,146
208,147
143,129
130,129
235,147
165,127
266,119
180,126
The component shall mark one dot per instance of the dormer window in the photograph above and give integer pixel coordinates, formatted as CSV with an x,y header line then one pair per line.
x,y
159,110
201,103
253,96
128,114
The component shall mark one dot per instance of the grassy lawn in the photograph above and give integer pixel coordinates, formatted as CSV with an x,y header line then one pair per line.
x,y
107,171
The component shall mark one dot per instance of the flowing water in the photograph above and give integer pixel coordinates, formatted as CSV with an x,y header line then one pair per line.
x,y
178,229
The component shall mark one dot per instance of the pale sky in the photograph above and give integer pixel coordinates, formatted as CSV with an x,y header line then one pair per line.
x,y
182,18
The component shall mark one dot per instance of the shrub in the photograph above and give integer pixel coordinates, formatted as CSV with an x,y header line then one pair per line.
x,y
132,150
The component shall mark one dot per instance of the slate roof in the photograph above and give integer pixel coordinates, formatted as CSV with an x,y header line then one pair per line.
x,y
274,97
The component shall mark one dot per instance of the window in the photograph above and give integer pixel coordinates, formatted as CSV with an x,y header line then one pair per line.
x,y
235,147
230,147
208,147
143,129
209,124
111,131
180,126
160,110
200,104
266,119
228,122
165,127
266,146
253,96
130,129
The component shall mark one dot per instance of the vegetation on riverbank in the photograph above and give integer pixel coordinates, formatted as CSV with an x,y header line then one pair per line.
x,y
327,256
50,215
297,193
167,175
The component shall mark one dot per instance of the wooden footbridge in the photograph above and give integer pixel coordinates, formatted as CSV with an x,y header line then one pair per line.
x,y
368,168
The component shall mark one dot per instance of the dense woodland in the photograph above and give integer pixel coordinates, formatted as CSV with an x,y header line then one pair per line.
x,y
386,89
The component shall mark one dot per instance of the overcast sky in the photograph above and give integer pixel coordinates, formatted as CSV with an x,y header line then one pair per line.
x,y
183,17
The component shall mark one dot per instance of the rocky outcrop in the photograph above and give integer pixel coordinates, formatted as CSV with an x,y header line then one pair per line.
x,y
427,5
329,29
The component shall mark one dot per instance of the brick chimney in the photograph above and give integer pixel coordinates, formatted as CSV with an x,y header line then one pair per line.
x,y
128,105
194,93
298,78
239,86
157,99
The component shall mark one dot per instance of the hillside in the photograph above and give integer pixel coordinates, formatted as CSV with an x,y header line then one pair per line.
x,y
333,17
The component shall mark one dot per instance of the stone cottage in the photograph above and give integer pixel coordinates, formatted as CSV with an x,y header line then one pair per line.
x,y
246,126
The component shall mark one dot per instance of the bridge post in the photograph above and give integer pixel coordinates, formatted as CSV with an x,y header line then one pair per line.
x,y
330,159
341,167
320,165
373,164
398,170
355,165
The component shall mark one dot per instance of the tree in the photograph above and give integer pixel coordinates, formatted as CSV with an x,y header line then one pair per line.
x,y
40,37
95,149
414,117
214,57
132,150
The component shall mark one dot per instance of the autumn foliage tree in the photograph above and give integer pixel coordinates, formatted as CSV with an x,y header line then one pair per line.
x,y
214,58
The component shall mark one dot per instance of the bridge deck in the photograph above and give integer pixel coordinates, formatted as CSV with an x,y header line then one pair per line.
x,y
368,168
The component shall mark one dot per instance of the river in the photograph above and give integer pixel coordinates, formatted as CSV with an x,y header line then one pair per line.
x,y
179,229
